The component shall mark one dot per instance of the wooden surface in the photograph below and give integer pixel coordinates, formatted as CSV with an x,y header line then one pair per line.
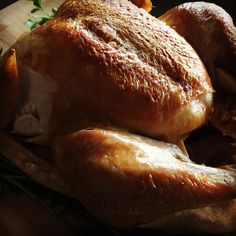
x,y
13,20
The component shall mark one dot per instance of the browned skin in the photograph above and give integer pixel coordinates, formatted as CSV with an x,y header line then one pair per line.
x,y
9,88
114,64
218,218
128,180
123,67
145,4
210,30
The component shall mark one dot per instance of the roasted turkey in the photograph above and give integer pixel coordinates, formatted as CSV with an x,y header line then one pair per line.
x,y
113,93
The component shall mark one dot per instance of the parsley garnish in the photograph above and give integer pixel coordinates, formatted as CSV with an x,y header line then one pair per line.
x,y
39,15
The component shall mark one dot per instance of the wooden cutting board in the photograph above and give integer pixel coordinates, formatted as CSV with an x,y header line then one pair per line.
x,y
13,20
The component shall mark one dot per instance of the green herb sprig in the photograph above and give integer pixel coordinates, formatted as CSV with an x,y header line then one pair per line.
x,y
39,15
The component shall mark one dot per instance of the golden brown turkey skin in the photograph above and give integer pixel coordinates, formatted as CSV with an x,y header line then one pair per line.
x,y
145,4
217,218
9,88
108,63
113,63
211,32
127,180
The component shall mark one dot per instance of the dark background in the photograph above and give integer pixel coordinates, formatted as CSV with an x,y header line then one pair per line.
x,y
162,5
4,3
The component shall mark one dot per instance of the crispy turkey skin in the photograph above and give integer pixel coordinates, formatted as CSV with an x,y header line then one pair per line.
x,y
113,92
109,62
